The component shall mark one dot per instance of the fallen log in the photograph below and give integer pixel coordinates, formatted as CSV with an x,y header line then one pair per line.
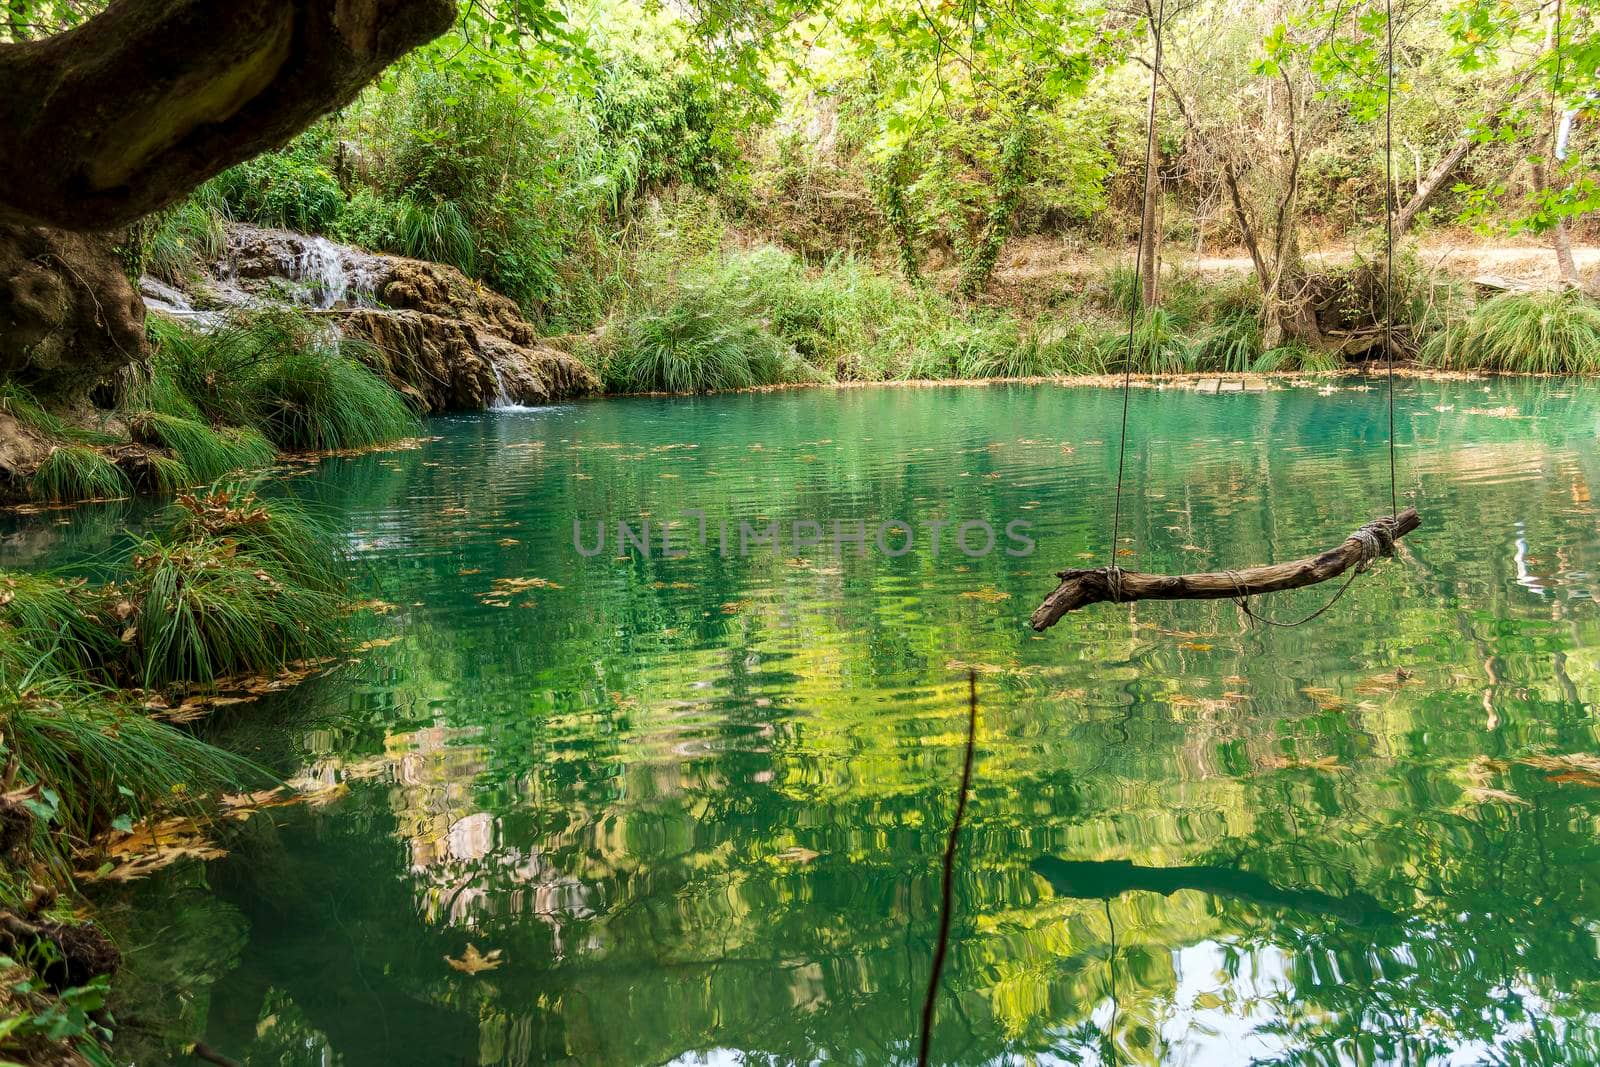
x,y
1080,588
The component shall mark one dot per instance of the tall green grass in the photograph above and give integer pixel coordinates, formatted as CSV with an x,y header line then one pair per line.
x,y
59,619
1159,345
703,336
188,235
72,472
204,453
277,377
318,397
1527,333
101,755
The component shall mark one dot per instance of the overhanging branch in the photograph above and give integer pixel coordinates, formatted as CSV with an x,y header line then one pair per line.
x,y
136,107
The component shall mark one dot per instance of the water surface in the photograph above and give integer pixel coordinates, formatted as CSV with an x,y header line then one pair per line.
x,y
698,805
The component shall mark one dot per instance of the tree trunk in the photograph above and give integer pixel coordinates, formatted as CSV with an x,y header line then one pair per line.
x,y
131,110
1150,235
1150,212
1441,172
69,317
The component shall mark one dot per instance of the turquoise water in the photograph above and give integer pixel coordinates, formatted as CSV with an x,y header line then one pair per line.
x,y
698,805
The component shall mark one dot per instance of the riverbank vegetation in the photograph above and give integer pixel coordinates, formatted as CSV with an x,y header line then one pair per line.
x,y
843,216
230,399
100,671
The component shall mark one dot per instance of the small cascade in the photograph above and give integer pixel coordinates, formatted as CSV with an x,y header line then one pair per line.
x,y
502,396
327,277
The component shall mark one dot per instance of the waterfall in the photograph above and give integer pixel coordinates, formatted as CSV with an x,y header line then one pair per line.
x,y
330,281
502,396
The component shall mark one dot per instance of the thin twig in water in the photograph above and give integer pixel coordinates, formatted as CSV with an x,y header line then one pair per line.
x,y
943,945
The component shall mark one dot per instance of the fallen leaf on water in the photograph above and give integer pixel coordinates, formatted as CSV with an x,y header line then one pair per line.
x,y
1484,795
1195,646
988,594
473,962
376,642
507,542
796,854
1575,778
1582,762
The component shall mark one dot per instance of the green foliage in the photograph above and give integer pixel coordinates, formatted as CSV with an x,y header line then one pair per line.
x,y
317,397
188,234
1159,346
276,378
701,341
1295,357
291,188
204,453
1529,333
1231,344
72,472
20,404
37,1016
100,754
211,607
436,230
57,620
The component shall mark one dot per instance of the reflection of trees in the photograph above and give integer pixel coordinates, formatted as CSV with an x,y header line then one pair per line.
x,y
701,803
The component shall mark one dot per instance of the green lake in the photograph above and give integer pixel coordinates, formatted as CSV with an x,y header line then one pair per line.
x,y
698,805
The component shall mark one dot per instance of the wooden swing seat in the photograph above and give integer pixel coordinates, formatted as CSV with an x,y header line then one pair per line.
x,y
1080,588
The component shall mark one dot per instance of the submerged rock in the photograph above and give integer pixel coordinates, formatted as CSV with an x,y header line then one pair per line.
x,y
438,336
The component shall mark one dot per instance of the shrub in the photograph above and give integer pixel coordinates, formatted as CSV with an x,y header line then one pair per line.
x,y
291,189
703,340
74,472
1529,333
280,532
281,378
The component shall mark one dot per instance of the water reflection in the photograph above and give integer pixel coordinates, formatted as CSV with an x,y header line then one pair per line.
x,y
699,804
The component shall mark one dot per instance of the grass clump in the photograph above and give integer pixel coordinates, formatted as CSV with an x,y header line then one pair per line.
x,y
58,620
317,397
73,472
1526,333
1231,344
100,755
279,379
233,585
703,339
203,453
1159,345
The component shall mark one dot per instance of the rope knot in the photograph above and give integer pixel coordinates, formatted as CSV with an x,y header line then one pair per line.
x,y
1375,540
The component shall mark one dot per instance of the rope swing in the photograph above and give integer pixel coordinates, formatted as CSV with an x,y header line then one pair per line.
x,y
1081,587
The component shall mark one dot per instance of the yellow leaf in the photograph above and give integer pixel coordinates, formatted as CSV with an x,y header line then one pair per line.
x,y
474,962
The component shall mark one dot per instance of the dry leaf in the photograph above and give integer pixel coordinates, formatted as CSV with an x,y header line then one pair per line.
x,y
474,962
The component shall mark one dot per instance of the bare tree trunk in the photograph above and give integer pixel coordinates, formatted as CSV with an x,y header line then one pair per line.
x,y
1150,235
1555,146
1441,172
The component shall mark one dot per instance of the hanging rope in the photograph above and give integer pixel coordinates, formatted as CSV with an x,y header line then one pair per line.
x,y
1136,304
948,883
1114,572
1388,235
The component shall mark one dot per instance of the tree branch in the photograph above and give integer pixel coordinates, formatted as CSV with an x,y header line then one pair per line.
x,y
1080,588
126,113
